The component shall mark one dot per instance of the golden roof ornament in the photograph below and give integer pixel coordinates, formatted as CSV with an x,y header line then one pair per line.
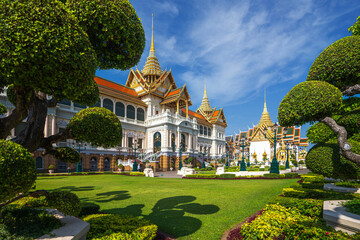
x,y
205,105
152,65
265,117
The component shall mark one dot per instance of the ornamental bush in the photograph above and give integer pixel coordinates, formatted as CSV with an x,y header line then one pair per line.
x,y
202,176
291,175
66,154
325,159
17,170
97,126
64,201
353,206
227,175
88,208
322,99
112,226
338,64
137,174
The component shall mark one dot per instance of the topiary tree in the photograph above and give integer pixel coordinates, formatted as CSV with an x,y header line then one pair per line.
x,y
328,98
49,52
17,170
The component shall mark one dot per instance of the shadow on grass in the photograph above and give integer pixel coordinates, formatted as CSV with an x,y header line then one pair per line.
x,y
169,214
75,189
112,196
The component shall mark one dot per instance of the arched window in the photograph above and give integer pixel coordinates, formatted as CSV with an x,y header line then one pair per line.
x,y
39,163
183,149
120,109
140,114
205,131
201,130
106,164
173,142
157,142
108,104
93,164
130,112
209,131
62,166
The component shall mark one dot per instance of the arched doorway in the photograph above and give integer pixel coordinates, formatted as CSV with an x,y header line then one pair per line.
x,y
62,166
107,164
183,148
157,142
93,164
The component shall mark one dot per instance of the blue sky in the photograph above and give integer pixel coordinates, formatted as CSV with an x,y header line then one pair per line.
x,y
240,48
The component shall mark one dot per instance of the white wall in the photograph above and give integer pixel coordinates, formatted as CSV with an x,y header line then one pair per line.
x,y
259,148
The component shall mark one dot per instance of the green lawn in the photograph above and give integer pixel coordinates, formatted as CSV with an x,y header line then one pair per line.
x,y
185,208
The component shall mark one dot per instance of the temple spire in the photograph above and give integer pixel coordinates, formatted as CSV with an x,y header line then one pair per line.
x,y
265,117
152,65
205,105
265,108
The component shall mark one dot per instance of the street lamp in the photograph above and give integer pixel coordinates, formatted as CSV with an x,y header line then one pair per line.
x,y
79,167
243,144
135,165
203,154
227,155
287,165
248,157
274,167
182,145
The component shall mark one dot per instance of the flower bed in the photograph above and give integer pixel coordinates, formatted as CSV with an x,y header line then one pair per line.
x,y
233,177
90,173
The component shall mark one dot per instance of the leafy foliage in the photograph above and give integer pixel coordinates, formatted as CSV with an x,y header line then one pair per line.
x,y
320,132
66,154
64,201
338,64
114,29
3,109
353,206
103,226
17,170
355,29
88,208
98,126
322,99
26,223
325,159
43,46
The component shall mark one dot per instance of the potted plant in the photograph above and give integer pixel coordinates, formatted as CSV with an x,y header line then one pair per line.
x,y
294,163
220,162
171,166
51,169
301,162
120,167
187,162
147,163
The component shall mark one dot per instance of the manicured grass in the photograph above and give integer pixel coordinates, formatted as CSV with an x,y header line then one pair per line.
x,y
185,208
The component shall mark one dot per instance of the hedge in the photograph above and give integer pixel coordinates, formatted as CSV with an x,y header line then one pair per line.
x,y
64,201
137,174
112,226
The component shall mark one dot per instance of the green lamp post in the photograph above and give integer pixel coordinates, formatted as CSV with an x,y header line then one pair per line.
x,y
287,165
274,166
79,165
227,156
135,165
248,157
243,144
203,154
180,153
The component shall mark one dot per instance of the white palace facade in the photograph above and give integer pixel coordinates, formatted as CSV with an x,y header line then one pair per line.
x,y
156,121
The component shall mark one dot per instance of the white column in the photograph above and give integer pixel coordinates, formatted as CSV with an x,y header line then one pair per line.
x,y
13,132
53,124
46,126
190,142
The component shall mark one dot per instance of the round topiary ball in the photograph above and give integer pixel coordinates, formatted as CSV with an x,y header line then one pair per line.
x,y
97,126
17,170
66,202
338,64
66,154
308,102
325,159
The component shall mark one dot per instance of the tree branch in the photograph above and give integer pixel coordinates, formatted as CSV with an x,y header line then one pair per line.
x,y
342,140
352,90
47,142
52,102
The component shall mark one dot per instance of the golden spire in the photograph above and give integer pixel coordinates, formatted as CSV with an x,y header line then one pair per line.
x,y
205,105
265,117
152,66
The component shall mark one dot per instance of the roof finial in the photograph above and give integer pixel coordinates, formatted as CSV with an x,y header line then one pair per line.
x,y
152,48
265,108
205,94
205,105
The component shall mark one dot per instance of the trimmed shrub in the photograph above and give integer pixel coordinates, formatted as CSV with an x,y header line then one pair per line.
x,y
112,226
312,185
64,201
322,99
88,208
273,175
202,176
227,175
17,170
137,174
291,175
317,194
350,184
31,202
325,159
66,154
313,178
26,223
97,126
353,206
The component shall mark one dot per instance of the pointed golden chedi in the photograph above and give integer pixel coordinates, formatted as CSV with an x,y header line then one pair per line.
x,y
205,105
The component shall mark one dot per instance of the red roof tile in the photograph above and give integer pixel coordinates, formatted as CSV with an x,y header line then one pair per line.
x,y
116,86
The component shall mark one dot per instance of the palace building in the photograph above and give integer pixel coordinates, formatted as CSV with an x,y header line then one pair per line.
x,y
259,148
156,120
